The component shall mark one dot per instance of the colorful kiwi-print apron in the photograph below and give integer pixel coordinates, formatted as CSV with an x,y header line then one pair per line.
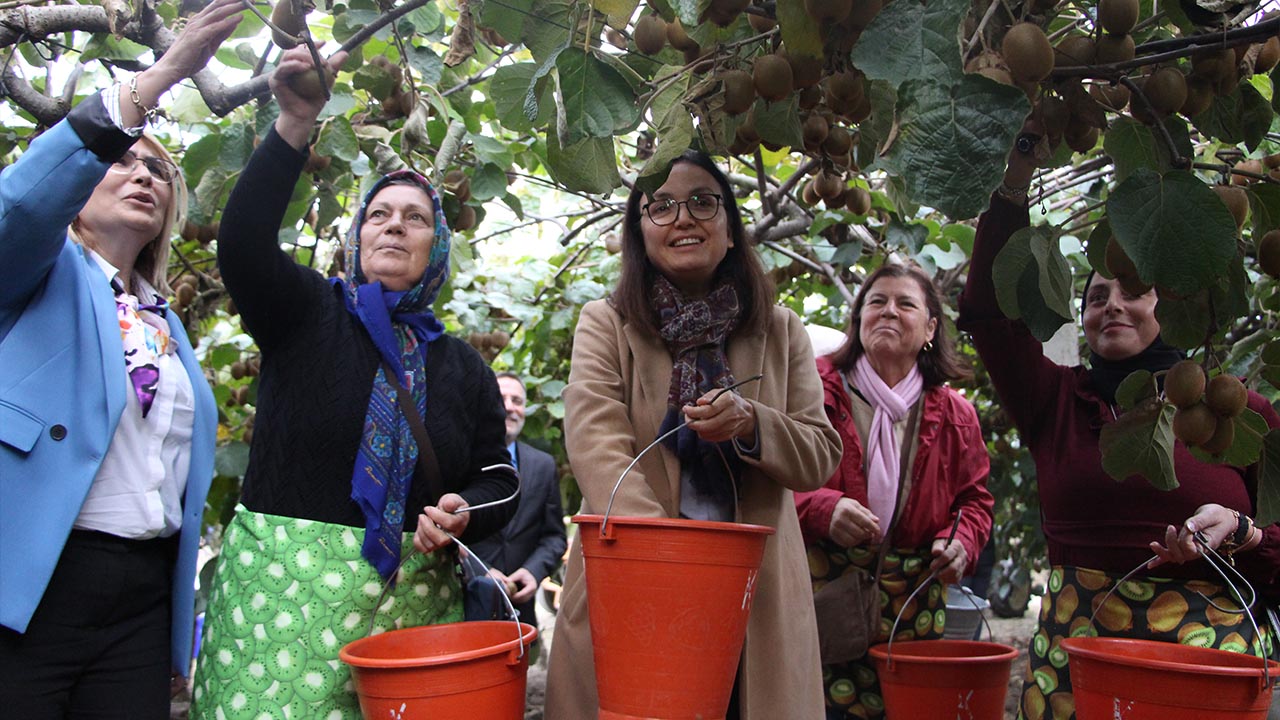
x,y
1147,608
286,596
853,686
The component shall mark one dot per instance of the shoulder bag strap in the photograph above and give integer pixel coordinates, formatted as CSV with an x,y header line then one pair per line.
x,y
427,461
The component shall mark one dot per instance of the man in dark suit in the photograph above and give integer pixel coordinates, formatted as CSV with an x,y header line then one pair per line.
x,y
530,547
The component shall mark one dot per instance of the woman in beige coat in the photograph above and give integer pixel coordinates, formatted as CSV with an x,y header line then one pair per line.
x,y
693,312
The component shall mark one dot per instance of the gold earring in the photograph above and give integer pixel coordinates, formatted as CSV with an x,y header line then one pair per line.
x,y
928,346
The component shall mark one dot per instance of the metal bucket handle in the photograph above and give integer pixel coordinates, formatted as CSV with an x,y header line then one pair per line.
x,y
1220,566
463,556
955,525
609,508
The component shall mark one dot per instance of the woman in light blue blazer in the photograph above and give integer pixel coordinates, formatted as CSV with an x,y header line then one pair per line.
x,y
107,424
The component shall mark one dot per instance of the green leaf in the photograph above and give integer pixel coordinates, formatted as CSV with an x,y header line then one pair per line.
x,y
1140,442
1133,145
109,47
236,146
199,156
953,140
544,31
1243,116
800,32
488,182
1052,270
1019,287
1137,386
509,88
909,237
597,100
616,8
373,79
1184,322
914,41
779,122
231,460
1246,447
587,166
1264,208
1096,249
427,64
1269,480
338,140
507,17
1174,228
674,135
491,150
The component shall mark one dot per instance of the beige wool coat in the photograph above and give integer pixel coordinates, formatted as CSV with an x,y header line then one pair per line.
x,y
614,404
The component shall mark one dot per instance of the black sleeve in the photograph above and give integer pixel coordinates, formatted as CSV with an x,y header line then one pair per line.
x,y
270,290
93,124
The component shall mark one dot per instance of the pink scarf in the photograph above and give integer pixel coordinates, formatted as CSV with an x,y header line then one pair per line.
x,y
884,452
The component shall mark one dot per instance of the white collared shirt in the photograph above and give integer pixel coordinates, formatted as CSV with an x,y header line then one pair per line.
x,y
137,492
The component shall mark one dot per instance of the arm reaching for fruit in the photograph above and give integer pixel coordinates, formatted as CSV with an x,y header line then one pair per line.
x,y
299,94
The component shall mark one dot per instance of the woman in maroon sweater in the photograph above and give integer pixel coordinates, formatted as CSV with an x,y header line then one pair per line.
x,y
913,460
1099,529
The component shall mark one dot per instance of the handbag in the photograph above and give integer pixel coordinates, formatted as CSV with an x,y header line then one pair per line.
x,y
482,597
848,612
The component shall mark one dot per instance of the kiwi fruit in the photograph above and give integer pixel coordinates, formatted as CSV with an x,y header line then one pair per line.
x,y
739,92
806,70
678,38
1111,97
1117,261
771,75
1074,50
809,193
1194,425
1236,200
1269,253
466,219
316,162
837,202
1117,16
190,231
1184,383
1224,435
650,34
838,142
1254,167
828,11
1080,137
761,23
858,201
208,233
1027,52
186,294
1166,90
724,12
828,185
847,87
862,13
1229,81
861,111
815,130
1054,115
306,85
284,17
1213,64
1111,48
1225,396
1199,96
1268,55
809,98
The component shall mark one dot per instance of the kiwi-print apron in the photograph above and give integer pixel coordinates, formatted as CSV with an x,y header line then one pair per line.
x,y
1148,608
854,686
286,596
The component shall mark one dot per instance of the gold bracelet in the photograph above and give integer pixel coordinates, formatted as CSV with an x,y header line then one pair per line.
x,y
1012,194
148,114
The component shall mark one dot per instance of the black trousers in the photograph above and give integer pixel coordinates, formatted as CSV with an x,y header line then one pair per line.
x,y
98,644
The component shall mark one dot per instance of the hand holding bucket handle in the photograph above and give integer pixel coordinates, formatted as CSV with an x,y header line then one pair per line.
x,y
1225,570
955,525
609,508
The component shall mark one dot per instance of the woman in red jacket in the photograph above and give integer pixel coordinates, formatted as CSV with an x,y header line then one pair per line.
x,y
913,459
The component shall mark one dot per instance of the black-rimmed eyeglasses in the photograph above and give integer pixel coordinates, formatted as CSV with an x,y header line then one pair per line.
x,y
161,170
700,206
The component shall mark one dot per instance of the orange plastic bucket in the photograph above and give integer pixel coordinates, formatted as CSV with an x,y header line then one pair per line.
x,y
943,678
1130,679
458,671
668,601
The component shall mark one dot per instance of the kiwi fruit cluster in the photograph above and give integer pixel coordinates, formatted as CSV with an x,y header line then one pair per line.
x,y
185,291
398,102
241,369
1206,410
203,234
489,344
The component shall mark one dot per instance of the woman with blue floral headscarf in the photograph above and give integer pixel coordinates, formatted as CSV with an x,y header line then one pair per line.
x,y
333,500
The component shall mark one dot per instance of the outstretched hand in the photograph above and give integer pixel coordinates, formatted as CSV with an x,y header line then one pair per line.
x,y
299,96
190,52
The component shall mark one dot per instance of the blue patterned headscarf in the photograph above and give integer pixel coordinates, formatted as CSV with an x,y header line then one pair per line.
x,y
401,325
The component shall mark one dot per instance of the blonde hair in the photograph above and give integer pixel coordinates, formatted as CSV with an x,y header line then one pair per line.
x,y
152,263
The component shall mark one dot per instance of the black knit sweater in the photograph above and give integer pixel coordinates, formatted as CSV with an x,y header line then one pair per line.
x,y
318,366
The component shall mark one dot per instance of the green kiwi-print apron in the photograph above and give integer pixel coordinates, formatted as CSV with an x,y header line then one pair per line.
x,y
286,596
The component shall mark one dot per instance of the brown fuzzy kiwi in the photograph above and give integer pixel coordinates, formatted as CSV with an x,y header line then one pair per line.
x,y
1117,16
208,233
457,182
1117,261
809,98
1224,435
809,193
466,219
739,91
615,38
1113,49
1166,90
186,294
1194,425
1199,96
828,185
837,202
678,38
1213,64
828,11
1271,161
761,23
861,111
838,142
1027,52
806,70
1269,253
771,75
858,201
847,87
190,232
815,130
1184,383
1229,81
1236,200
284,17
1054,114
1080,137
1111,97
1254,167
724,12
316,162
1268,55
1074,50
862,13
238,370
306,85
650,34
1225,396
